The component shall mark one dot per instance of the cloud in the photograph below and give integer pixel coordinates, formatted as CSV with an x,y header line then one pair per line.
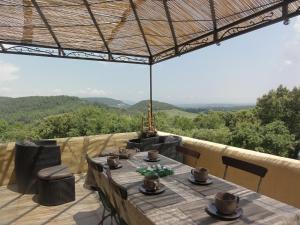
x,y
291,55
4,90
8,72
288,62
297,26
92,92
57,91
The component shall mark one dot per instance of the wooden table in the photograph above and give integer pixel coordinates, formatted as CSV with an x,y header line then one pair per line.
x,y
184,203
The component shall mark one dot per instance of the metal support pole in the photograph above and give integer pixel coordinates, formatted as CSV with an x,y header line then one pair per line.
x,y
151,115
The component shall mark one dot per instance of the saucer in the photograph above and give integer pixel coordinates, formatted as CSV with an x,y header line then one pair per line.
x,y
114,167
124,156
192,180
143,190
212,210
151,160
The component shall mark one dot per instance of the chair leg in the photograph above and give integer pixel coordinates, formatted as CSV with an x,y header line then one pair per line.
x,y
116,220
225,172
104,217
258,186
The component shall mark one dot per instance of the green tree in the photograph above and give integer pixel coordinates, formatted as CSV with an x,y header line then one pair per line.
x,y
221,135
183,123
233,118
210,120
3,129
247,135
283,105
277,139
274,105
162,121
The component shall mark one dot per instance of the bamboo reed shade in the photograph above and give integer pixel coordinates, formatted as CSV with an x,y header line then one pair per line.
x,y
154,30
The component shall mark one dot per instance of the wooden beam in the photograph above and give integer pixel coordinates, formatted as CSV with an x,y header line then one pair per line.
x,y
213,17
41,14
171,25
27,35
141,28
97,27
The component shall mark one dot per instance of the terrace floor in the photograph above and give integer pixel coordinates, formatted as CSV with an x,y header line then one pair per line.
x,y
16,208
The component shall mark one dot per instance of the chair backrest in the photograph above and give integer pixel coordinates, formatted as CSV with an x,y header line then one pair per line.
x,y
187,151
93,164
245,166
46,142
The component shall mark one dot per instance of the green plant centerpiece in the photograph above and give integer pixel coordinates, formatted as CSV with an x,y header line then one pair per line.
x,y
153,170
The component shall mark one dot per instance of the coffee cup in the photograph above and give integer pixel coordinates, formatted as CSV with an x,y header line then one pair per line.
x,y
200,174
151,183
153,154
124,153
113,161
226,203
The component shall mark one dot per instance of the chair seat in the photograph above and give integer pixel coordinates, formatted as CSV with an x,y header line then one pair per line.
x,y
55,172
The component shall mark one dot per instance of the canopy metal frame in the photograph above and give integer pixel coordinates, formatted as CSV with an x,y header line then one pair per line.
x,y
218,34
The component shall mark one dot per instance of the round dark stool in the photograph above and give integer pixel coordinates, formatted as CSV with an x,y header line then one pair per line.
x,y
56,186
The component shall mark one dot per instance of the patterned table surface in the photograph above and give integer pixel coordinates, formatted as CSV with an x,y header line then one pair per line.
x,y
185,203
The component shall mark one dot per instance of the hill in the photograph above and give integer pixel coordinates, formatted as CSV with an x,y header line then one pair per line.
x,y
27,109
178,112
142,106
107,101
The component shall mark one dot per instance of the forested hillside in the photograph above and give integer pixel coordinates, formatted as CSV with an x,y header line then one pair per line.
x,y
28,109
107,101
142,106
272,126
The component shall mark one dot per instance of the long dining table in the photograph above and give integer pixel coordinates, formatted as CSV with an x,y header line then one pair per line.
x,y
183,202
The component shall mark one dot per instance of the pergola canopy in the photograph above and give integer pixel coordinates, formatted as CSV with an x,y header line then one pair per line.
x,y
132,31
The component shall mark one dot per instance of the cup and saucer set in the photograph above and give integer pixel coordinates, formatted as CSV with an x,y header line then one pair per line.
x,y
151,185
199,176
225,206
152,156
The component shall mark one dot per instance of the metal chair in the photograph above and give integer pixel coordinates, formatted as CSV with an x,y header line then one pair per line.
x,y
181,151
121,192
97,169
245,166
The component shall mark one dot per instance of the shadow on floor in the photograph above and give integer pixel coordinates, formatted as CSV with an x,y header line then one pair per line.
x,y
91,218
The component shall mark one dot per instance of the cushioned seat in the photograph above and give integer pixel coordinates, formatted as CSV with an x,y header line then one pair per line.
x,y
56,185
30,158
55,172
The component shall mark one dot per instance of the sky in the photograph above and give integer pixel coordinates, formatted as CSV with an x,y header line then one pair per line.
x,y
238,72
